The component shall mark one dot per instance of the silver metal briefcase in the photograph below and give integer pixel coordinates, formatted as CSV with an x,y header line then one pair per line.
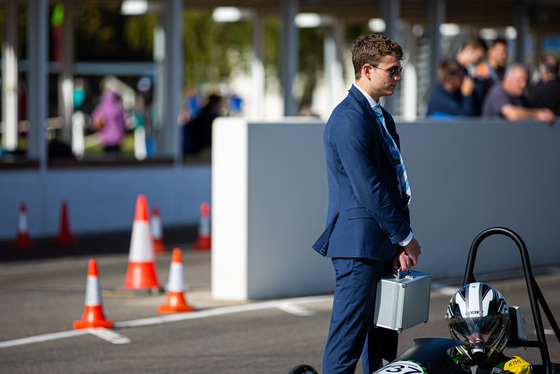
x,y
402,302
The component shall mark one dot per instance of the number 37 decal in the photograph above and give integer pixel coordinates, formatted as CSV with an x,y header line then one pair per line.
x,y
401,367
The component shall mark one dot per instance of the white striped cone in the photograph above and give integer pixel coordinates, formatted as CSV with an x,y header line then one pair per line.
x,y
175,282
142,272
23,240
175,287
93,310
204,241
157,232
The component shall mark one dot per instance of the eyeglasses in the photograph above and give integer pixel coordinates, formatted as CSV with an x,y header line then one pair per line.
x,y
393,71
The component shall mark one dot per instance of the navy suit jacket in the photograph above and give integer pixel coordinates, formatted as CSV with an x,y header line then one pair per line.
x,y
365,218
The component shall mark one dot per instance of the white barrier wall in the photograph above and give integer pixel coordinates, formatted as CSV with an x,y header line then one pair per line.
x,y
269,205
100,199
269,192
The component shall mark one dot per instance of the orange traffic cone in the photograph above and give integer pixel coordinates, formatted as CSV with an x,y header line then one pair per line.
x,y
93,310
204,241
64,235
23,240
175,287
141,273
157,232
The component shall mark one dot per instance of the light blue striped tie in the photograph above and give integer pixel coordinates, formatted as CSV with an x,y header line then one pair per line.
x,y
398,163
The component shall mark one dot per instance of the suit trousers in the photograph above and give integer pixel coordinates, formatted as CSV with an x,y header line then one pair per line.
x,y
351,331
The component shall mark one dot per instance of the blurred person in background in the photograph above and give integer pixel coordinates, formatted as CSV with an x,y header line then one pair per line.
x,y
453,95
108,120
492,70
546,93
470,55
190,105
197,133
508,100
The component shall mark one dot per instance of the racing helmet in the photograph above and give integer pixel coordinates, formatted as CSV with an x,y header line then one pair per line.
x,y
303,369
478,314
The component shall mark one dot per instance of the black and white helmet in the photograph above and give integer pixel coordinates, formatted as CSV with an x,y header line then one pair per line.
x,y
478,314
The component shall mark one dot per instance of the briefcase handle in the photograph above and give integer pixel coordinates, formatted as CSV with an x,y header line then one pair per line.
x,y
397,274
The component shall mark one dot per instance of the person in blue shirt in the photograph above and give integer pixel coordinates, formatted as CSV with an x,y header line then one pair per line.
x,y
453,95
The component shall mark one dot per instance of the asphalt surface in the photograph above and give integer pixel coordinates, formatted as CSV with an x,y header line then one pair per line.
x,y
43,289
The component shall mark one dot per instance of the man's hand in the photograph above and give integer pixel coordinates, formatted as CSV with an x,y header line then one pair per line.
x,y
407,256
467,87
545,114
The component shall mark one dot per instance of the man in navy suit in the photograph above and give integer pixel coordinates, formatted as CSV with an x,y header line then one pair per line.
x,y
368,227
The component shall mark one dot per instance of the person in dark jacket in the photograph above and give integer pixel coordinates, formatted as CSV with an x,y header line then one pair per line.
x,y
197,133
453,95
546,94
368,230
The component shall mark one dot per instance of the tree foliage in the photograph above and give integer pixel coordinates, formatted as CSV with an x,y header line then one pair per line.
x,y
100,34
139,32
212,51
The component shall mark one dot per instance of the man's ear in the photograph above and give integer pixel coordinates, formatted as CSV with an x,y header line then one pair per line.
x,y
366,70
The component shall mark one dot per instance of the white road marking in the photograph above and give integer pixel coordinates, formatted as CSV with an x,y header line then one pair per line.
x,y
295,309
109,335
42,338
219,311
287,305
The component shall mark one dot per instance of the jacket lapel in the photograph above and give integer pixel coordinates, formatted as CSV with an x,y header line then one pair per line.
x,y
370,114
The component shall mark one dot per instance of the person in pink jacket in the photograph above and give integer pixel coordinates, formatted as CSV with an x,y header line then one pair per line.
x,y
108,119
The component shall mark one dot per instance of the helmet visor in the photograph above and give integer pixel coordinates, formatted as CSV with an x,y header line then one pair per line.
x,y
483,329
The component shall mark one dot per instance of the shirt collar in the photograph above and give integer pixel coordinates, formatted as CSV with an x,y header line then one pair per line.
x,y
370,99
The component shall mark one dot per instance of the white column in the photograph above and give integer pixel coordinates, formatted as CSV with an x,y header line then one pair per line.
x,y
37,77
257,68
334,63
409,85
10,80
289,57
409,89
